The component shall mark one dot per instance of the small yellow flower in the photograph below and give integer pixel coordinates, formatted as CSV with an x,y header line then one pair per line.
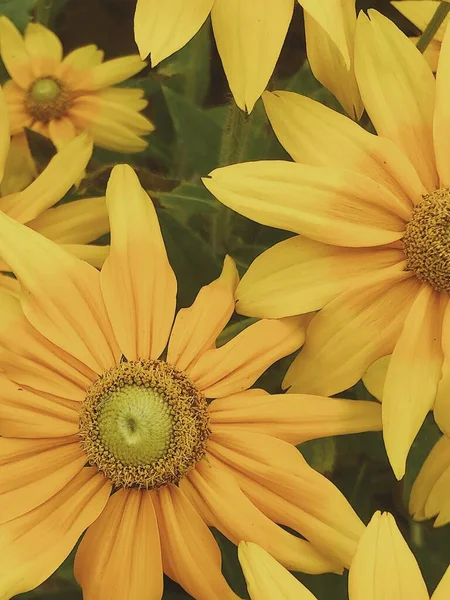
x,y
73,225
383,568
372,253
103,390
61,97
249,37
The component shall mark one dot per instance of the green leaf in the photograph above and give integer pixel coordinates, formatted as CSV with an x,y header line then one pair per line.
x,y
19,11
189,198
231,567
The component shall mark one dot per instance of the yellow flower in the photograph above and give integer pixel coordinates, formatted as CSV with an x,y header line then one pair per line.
x,y
372,213
420,13
60,98
384,568
73,225
249,37
92,403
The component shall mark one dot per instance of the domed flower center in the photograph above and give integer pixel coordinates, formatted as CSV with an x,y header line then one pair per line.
x,y
47,98
144,424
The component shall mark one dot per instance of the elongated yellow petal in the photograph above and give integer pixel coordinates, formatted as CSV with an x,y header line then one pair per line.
x,y
14,53
384,568
162,28
44,48
249,38
20,168
375,376
442,113
4,133
442,592
266,578
398,90
114,71
420,12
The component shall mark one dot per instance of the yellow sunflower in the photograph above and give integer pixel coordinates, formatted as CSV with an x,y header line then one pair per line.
x,y
73,225
420,13
249,37
384,568
372,213
61,97
93,402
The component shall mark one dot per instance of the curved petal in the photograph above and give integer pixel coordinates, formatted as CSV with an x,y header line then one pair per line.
x,y
238,519
412,377
420,14
4,133
398,90
236,366
316,135
318,510
330,16
78,222
294,418
40,540
441,409
44,48
442,113
94,255
350,333
299,275
266,578
61,131
62,172
333,206
196,328
20,168
442,591
14,53
113,71
249,38
191,555
375,376
384,568
162,28
34,471
140,303
120,554
60,295
435,468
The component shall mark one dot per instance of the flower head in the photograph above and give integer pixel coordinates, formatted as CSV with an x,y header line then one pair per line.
x,y
249,37
62,97
372,217
103,391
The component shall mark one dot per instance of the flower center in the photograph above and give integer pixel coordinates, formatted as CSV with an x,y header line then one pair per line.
x,y
144,424
427,240
47,98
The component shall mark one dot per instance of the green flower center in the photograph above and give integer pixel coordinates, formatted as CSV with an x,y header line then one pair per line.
x,y
144,424
47,98
427,240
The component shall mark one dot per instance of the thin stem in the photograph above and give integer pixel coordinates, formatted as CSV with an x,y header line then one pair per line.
x,y
432,27
42,11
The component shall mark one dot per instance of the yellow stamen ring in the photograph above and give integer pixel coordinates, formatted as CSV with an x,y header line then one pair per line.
x,y
47,99
427,240
144,424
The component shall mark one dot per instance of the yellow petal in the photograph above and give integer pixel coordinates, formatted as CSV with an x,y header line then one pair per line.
x,y
20,167
375,376
191,555
4,134
266,578
431,53
40,540
350,333
249,38
330,63
330,205
14,53
62,172
299,275
61,132
235,366
94,255
441,405
140,303
384,568
196,328
35,470
162,28
238,519
442,592
398,90
44,48
114,71
435,467
60,296
442,113
420,12
294,418
84,57
316,135
120,555
412,377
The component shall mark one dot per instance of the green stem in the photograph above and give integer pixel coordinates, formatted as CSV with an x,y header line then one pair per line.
x,y
233,148
432,27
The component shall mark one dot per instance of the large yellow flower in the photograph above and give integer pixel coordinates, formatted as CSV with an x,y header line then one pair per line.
x,y
92,403
61,97
373,214
73,225
249,37
383,568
